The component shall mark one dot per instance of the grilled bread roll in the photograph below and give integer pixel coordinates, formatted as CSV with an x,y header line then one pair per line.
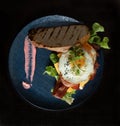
x,y
59,38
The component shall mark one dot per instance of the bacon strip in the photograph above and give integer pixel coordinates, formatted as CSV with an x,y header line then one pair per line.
x,y
96,66
59,89
30,61
68,84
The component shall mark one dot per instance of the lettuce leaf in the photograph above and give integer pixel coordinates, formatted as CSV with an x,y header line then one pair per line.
x,y
54,58
96,39
51,71
68,97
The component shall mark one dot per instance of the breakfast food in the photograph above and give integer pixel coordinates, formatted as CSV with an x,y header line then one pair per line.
x,y
74,56
58,39
72,70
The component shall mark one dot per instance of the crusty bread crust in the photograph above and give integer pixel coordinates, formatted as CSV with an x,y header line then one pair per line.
x,y
56,49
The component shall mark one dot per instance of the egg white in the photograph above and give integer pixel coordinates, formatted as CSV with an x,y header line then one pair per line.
x,y
85,71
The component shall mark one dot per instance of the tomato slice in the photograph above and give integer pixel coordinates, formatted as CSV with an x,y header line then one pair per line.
x,y
76,86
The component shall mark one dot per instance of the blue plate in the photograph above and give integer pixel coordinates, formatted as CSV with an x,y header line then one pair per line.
x,y
39,94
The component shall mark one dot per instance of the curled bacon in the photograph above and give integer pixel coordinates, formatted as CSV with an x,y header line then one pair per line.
x,y
59,89
96,66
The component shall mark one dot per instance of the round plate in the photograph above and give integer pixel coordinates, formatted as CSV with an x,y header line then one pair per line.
x,y
39,94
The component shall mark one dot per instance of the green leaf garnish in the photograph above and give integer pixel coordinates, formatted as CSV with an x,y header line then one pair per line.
x,y
54,58
51,71
76,53
97,27
95,39
104,43
68,97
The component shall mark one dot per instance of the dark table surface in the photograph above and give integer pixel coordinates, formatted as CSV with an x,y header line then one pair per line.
x,y
102,108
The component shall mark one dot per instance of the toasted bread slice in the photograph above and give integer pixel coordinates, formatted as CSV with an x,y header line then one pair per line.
x,y
59,38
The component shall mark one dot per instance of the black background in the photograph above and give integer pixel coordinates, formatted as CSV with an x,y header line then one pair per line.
x,y
103,107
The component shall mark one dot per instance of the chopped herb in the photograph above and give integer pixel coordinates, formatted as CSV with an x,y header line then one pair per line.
x,y
76,69
77,72
75,53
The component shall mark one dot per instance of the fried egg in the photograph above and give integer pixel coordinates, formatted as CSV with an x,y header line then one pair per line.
x,y
86,69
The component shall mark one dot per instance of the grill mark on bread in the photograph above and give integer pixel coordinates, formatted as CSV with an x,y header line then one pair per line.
x,y
67,29
51,32
55,34
76,34
39,30
39,36
49,39
62,34
45,32
68,34
59,32
72,35
48,34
